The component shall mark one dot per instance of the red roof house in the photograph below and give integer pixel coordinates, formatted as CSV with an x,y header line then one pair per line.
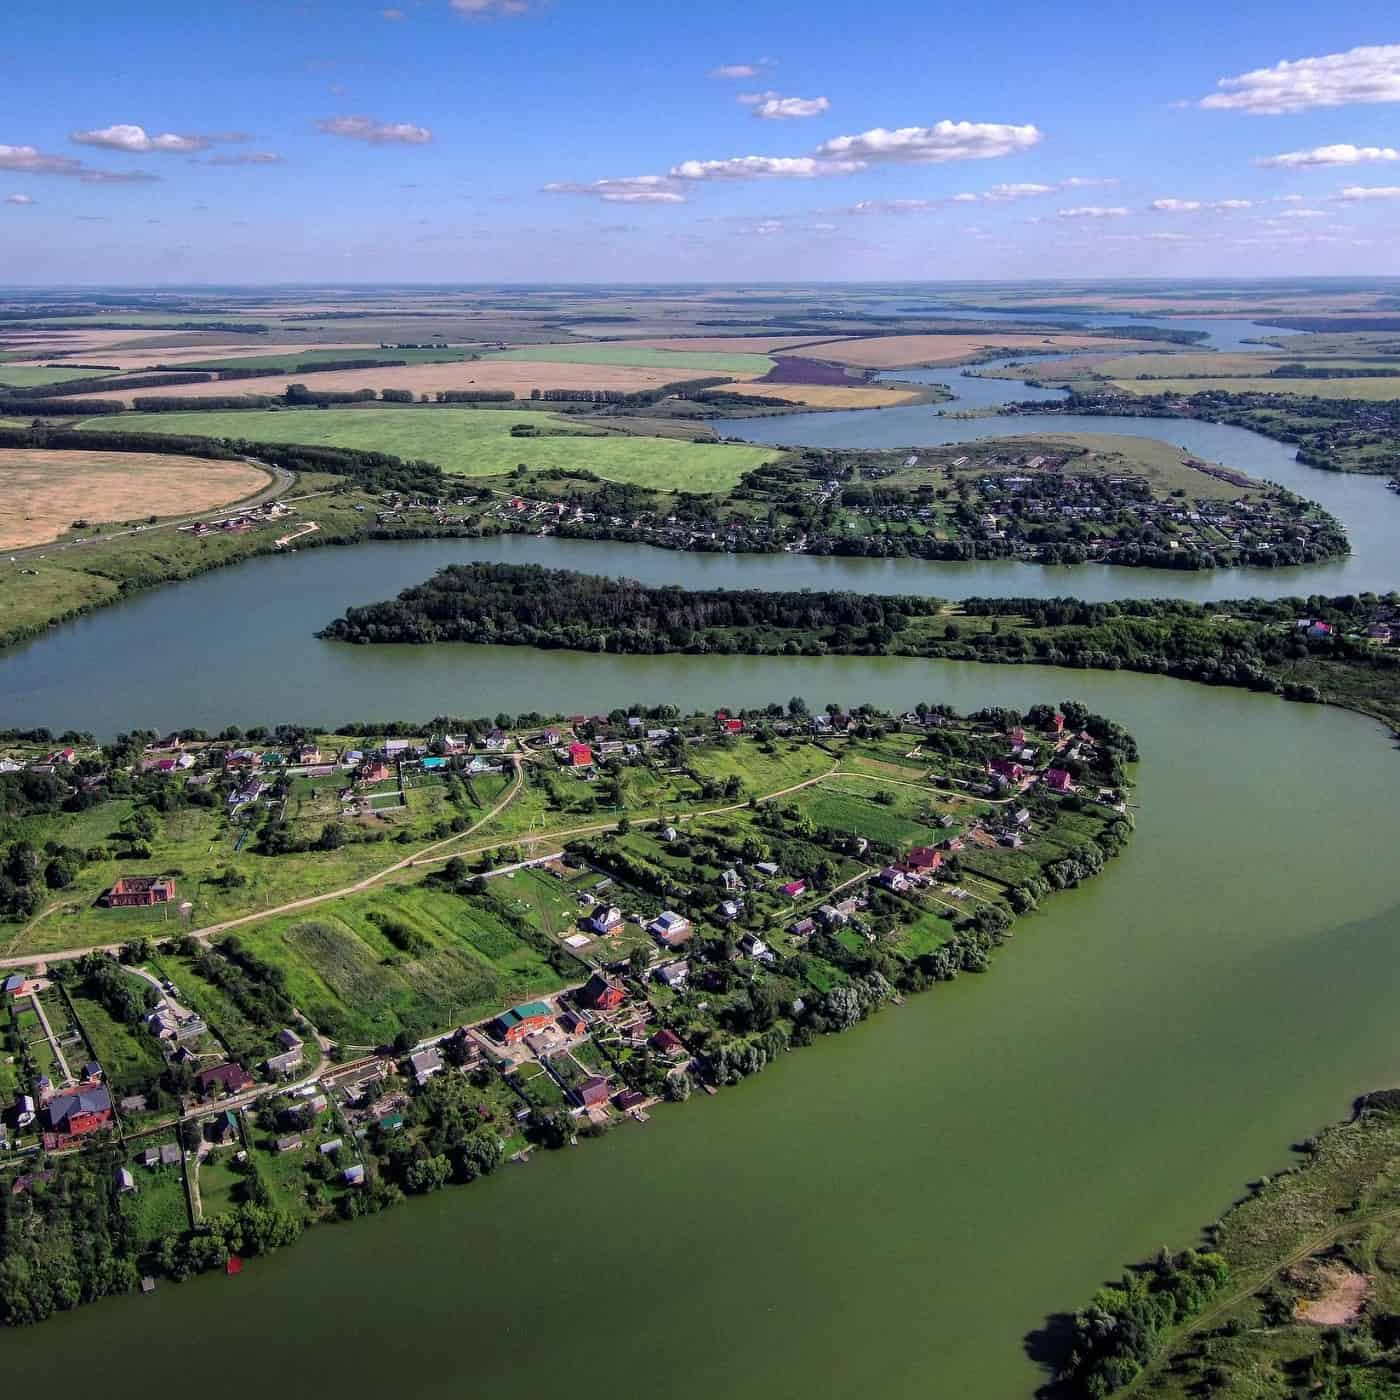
x,y
140,891
667,1042
580,755
923,858
1005,768
796,889
231,1078
600,994
1057,780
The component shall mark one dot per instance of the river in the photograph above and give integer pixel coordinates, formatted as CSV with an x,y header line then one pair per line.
x,y
889,1212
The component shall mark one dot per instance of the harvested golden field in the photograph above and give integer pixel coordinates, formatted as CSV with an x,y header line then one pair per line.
x,y
1379,390
829,395
906,351
519,375
43,493
232,353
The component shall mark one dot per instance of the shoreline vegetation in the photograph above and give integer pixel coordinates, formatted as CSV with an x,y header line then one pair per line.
x,y
1296,1291
810,868
1337,651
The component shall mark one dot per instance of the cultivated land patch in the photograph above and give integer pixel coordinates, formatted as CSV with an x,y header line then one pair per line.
x,y
519,376
642,356
903,351
477,442
1366,390
43,493
25,376
733,344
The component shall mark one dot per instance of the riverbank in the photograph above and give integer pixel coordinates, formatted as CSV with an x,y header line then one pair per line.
x,y
1299,1286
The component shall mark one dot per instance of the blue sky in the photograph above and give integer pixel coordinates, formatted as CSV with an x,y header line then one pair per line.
x,y
558,140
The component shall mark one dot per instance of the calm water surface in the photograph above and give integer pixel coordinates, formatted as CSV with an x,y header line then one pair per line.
x,y
893,1211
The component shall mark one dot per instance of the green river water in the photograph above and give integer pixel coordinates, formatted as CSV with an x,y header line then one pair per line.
x,y
896,1208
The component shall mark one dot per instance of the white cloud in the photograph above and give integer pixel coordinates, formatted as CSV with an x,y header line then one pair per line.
x,y
1363,192
1176,206
137,141
491,9
891,206
32,161
116,177
1233,204
767,228
1006,194
763,167
1093,211
823,228
19,199
631,189
735,70
375,132
1303,214
1167,237
1322,156
966,197
1362,75
1084,182
244,158
770,106
944,141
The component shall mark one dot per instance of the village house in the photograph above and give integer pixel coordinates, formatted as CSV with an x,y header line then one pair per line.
x,y
669,834
1005,768
126,1183
731,881
227,1078
290,1143
670,928
605,919
729,910
592,1091
674,975
18,985
571,1022
803,928
511,1027
77,1113
288,1062
600,993
354,1176
580,756
923,859
498,741
169,1155
667,1042
140,891
892,878
425,1064
1058,780
795,889
752,946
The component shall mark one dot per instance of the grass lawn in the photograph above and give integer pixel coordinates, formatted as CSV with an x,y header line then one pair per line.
x,y
219,1181
704,361
477,442
158,1206
127,1054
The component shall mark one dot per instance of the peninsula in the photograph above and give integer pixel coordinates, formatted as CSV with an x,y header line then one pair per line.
x,y
261,980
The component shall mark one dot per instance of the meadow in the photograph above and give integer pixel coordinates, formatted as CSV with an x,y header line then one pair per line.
x,y
478,442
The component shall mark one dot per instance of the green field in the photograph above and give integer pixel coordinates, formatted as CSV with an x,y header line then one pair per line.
x,y
292,358
24,376
127,1054
355,985
476,442
1367,390
641,357
158,1206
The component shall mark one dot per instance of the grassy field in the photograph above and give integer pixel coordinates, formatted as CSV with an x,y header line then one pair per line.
x,y
355,985
478,442
26,376
127,1054
42,493
158,1206
642,357
1366,390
